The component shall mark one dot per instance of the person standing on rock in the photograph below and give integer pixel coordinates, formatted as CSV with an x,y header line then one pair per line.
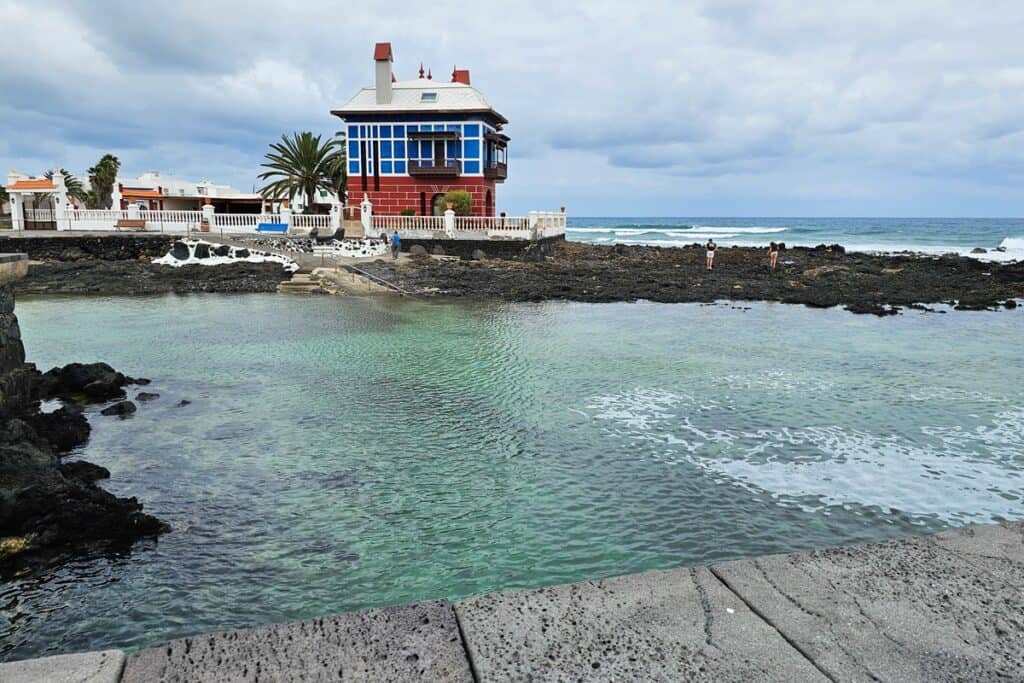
x,y
396,245
773,255
711,246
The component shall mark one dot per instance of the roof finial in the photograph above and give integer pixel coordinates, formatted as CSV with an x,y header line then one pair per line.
x,y
453,73
421,69
430,76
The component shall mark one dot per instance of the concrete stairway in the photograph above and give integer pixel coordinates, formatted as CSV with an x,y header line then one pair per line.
x,y
301,283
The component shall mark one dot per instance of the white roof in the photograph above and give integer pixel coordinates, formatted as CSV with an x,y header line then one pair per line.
x,y
407,96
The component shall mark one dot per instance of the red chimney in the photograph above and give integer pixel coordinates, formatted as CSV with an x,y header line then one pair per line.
x,y
460,76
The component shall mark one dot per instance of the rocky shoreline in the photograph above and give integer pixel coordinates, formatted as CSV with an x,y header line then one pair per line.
x,y
51,509
122,264
823,276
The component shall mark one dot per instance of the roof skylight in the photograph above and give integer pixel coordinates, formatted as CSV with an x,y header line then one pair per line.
x,y
428,97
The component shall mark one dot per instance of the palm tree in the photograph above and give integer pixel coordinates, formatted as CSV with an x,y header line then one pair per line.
x,y
302,165
74,186
102,177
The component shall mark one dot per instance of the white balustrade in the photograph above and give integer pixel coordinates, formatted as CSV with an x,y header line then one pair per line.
x,y
242,222
537,225
310,221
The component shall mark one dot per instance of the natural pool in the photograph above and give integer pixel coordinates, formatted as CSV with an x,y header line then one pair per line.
x,y
340,454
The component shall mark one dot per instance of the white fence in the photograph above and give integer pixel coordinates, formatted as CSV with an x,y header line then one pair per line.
x,y
242,222
536,225
310,221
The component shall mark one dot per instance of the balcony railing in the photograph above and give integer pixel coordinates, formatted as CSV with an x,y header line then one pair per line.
x,y
451,167
496,171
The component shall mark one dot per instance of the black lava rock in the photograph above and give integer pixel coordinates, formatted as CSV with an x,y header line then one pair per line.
x,y
121,408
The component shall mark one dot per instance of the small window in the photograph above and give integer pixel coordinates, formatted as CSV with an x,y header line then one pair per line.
x,y
353,131
385,167
399,167
428,97
473,130
399,131
385,131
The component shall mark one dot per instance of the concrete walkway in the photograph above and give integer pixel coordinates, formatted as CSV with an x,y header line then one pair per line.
x,y
936,608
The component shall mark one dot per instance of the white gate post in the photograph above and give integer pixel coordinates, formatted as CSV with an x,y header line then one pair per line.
x,y
449,223
17,211
335,218
286,216
209,217
533,221
366,216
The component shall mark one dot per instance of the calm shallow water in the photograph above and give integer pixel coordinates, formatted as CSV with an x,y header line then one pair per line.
x,y
342,454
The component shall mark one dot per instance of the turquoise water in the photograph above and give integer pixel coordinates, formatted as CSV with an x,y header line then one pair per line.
x,y
927,235
342,454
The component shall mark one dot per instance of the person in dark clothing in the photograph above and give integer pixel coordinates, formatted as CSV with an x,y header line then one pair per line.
x,y
711,246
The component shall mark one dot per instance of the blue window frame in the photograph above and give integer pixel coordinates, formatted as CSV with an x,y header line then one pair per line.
x,y
426,149
472,130
451,150
399,167
412,129
414,149
454,128
385,149
385,131
399,131
362,131
399,149
353,149
353,131
471,149
385,167
471,167
353,168
438,127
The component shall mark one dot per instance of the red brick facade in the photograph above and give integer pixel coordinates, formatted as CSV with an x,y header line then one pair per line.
x,y
397,193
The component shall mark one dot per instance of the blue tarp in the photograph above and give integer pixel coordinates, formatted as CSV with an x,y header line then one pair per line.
x,y
272,227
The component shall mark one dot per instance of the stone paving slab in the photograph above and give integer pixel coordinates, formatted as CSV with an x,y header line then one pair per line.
x,y
417,642
680,625
922,609
87,667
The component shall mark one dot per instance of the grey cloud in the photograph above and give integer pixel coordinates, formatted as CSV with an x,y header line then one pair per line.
x,y
854,100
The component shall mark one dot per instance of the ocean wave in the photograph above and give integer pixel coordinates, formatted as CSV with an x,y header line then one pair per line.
x,y
752,230
950,473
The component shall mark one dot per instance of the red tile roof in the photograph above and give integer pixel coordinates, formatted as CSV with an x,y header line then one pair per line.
x,y
41,184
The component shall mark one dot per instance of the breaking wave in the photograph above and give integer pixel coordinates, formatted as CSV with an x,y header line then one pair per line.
x,y
950,472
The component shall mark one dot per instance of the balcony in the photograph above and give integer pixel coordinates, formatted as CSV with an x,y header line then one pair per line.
x,y
436,169
497,170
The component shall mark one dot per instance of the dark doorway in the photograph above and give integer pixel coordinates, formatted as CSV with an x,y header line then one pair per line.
x,y
438,204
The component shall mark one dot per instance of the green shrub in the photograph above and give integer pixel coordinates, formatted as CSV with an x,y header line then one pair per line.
x,y
461,202
407,212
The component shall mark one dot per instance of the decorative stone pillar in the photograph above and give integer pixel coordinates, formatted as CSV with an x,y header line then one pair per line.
x,y
286,214
366,216
17,211
209,217
449,222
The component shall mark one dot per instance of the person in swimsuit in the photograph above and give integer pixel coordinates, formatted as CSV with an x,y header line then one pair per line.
x,y
773,255
711,246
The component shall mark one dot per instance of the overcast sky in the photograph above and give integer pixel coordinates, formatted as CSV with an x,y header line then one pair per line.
x,y
717,108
